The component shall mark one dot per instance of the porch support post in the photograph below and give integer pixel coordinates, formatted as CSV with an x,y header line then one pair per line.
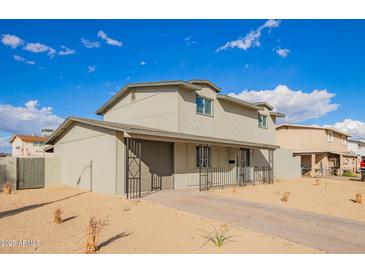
x,y
340,172
313,165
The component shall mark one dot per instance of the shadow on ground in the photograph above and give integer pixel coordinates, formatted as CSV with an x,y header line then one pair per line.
x,y
114,238
16,211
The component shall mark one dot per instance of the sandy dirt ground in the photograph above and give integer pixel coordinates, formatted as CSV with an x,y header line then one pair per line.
x,y
333,197
134,226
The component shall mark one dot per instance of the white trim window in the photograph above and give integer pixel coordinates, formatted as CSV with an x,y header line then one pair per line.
x,y
262,120
330,136
204,106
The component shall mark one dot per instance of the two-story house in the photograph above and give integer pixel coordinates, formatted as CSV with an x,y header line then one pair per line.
x,y
358,148
322,150
28,146
168,135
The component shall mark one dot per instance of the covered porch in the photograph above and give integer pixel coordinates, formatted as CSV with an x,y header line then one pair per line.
x,y
161,163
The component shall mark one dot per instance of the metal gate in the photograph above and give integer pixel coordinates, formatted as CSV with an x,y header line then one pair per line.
x,y
133,168
203,154
30,173
244,171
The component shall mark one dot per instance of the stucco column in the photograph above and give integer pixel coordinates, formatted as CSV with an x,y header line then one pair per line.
x,y
313,165
341,166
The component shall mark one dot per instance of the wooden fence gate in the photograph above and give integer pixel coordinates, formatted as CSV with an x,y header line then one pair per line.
x,y
30,173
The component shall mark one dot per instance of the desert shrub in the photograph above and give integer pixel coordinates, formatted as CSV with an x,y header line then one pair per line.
x,y
57,216
234,189
94,229
8,188
285,196
359,198
218,236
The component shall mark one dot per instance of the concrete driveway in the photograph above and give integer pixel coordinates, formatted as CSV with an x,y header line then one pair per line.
x,y
326,233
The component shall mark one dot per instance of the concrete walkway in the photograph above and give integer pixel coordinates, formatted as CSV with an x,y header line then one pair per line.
x,y
326,233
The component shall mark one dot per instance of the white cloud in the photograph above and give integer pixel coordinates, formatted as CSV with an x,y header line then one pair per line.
x,y
66,51
282,52
5,146
91,69
252,39
142,63
246,66
298,106
11,40
109,40
90,44
23,60
40,48
28,119
355,128
189,41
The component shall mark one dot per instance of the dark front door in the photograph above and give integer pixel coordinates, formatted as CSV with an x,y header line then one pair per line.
x,y
243,164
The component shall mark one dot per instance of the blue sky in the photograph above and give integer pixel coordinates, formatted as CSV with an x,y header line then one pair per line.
x,y
50,64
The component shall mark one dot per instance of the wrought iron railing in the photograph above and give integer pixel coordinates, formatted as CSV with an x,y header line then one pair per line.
x,y
264,175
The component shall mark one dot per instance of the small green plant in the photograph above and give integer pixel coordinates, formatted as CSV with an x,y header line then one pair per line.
x,y
348,173
218,236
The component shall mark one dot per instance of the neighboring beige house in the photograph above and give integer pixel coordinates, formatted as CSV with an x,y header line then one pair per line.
x,y
168,135
320,148
28,146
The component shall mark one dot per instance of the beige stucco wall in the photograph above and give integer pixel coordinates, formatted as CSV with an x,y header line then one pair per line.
x,y
153,107
91,158
174,109
52,172
286,166
8,171
307,139
28,149
229,120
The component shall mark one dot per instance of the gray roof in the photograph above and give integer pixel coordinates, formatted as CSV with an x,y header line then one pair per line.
x,y
151,132
314,127
238,101
206,82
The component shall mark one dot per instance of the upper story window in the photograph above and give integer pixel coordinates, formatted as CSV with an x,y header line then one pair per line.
x,y
204,106
262,120
344,140
330,136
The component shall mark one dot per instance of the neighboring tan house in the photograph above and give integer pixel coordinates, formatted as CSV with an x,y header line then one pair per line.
x,y
358,148
168,135
28,146
320,148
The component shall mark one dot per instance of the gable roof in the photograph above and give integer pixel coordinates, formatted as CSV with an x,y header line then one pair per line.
x,y
152,132
313,127
127,87
206,82
238,101
268,106
28,138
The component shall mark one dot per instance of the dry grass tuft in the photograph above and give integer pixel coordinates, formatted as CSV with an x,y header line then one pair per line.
x,y
359,198
285,196
234,189
94,229
57,216
7,188
218,236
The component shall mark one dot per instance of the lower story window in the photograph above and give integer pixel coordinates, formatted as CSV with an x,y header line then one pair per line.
x,y
202,156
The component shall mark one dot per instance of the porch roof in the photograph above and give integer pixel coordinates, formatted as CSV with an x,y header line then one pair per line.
x,y
136,131
344,153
